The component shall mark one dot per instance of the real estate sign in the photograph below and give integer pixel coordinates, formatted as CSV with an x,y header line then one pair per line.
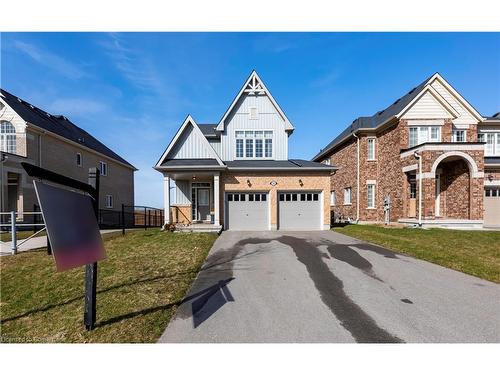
x,y
71,226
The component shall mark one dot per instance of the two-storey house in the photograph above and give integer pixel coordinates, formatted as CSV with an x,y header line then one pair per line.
x,y
236,173
429,158
30,134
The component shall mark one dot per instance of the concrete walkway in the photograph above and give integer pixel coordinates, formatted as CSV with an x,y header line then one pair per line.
x,y
328,287
33,243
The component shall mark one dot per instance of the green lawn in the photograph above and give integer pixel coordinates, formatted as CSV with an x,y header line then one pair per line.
x,y
140,284
473,252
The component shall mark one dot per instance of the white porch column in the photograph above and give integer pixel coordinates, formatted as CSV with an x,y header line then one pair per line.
x,y
166,199
216,199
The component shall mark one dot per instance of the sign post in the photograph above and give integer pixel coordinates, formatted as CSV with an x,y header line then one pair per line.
x,y
91,269
74,238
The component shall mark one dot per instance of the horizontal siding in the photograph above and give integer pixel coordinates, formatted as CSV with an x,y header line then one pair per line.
x,y
465,116
190,145
427,107
268,119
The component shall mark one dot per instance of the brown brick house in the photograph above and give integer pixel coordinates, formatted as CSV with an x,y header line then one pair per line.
x,y
429,158
236,174
30,134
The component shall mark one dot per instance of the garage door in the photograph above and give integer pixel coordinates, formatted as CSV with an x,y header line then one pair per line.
x,y
247,211
299,210
492,206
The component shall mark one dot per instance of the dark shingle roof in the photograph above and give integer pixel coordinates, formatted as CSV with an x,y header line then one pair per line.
x,y
496,116
208,130
278,164
189,162
59,125
374,121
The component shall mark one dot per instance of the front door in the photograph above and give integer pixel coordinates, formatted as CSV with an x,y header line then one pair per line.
x,y
203,204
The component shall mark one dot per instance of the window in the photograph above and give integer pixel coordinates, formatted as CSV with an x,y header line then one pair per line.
x,y
109,201
413,187
413,139
254,144
371,148
253,113
249,148
492,141
332,198
7,137
78,159
422,134
258,148
435,134
371,195
459,136
103,167
347,195
327,161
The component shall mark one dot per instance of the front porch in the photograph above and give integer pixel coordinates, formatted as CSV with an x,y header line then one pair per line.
x,y
443,188
192,201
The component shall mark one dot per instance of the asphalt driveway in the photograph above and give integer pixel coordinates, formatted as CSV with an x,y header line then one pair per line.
x,y
327,287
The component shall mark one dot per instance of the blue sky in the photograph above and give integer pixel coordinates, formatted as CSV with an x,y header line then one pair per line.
x,y
133,90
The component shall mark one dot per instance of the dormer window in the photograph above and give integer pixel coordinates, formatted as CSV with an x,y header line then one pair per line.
x,y
254,144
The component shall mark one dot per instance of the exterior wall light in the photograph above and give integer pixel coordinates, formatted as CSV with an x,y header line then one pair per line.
x,y
300,182
273,183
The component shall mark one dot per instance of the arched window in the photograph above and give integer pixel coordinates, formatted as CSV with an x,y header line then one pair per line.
x,y
7,137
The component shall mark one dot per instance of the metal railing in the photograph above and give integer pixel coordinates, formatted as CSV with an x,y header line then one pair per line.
x,y
129,217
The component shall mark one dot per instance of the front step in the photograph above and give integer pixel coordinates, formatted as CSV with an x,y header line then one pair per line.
x,y
199,229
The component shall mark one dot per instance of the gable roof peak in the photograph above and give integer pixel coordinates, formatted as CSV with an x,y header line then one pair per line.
x,y
254,85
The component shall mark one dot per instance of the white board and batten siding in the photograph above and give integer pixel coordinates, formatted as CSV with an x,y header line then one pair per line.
x,y
268,118
216,145
191,145
180,192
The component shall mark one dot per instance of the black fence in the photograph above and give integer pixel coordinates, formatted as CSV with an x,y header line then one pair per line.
x,y
131,217
127,217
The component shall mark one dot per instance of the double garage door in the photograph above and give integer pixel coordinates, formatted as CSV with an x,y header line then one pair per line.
x,y
251,211
492,206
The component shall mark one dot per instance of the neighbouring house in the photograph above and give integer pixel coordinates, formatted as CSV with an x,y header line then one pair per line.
x,y
235,174
30,134
429,157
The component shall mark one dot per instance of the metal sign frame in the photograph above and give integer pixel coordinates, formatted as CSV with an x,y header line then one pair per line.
x,y
92,188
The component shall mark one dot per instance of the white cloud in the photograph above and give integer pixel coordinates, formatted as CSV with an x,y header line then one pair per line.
x,y
51,60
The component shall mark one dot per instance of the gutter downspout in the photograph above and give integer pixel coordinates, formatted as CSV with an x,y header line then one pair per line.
x,y
357,177
419,157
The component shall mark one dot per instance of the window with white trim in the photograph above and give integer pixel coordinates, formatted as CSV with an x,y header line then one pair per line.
x,y
327,161
7,137
423,134
78,159
459,136
492,140
370,190
103,168
332,198
347,195
109,201
371,148
254,144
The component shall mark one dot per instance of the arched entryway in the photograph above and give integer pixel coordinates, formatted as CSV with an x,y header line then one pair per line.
x,y
453,173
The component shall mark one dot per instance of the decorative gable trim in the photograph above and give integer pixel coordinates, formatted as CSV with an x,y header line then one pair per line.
x,y
429,89
453,92
254,86
189,121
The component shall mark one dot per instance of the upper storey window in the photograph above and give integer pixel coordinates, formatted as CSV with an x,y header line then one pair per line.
x,y
371,148
492,141
423,134
7,137
459,136
254,144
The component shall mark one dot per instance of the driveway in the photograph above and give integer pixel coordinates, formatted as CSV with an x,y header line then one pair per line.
x,y
327,287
